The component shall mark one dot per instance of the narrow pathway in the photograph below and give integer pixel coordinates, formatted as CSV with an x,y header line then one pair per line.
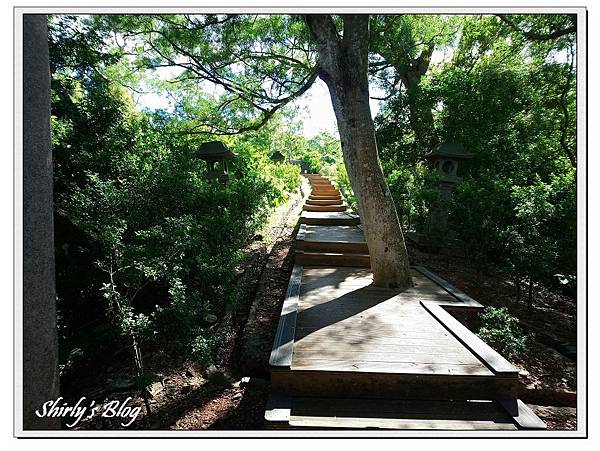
x,y
351,355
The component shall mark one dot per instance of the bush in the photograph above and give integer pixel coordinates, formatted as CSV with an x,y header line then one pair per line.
x,y
143,241
344,185
501,331
312,158
204,348
287,176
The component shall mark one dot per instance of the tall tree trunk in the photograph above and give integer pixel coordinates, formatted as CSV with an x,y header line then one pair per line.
x,y
40,347
343,67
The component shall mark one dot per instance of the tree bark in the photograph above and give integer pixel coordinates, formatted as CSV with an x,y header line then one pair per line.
x,y
343,67
40,345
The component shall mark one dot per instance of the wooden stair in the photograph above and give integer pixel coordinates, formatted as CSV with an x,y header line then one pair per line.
x,y
327,218
332,259
349,355
337,201
311,207
324,197
341,239
350,413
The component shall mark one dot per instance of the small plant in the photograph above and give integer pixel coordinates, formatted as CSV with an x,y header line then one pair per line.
x,y
205,347
501,331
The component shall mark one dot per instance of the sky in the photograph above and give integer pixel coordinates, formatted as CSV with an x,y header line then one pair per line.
x,y
315,109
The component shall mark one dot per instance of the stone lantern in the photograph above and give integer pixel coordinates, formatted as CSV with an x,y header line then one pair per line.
x,y
216,154
277,157
445,158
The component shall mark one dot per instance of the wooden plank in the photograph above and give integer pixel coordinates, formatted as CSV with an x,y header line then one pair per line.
x,y
325,197
324,201
338,239
319,345
335,234
329,218
477,346
365,366
400,408
328,339
393,385
372,324
309,207
332,259
309,332
463,297
281,354
391,423
522,414
390,356
316,274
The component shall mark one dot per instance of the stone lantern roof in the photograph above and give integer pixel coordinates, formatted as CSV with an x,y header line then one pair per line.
x,y
277,156
453,151
215,150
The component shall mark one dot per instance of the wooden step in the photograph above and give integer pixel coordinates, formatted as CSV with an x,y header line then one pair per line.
x,y
309,207
321,191
337,239
327,218
298,412
324,197
324,201
412,382
309,258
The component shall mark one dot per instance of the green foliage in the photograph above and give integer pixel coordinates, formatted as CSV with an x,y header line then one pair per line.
x,y
414,191
145,245
288,176
343,182
321,153
205,347
501,331
511,102
253,64
312,158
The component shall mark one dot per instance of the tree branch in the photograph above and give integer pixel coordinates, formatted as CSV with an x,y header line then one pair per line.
x,y
264,118
537,36
327,39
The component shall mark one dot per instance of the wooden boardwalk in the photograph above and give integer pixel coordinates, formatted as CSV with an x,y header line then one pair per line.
x,y
344,324
351,355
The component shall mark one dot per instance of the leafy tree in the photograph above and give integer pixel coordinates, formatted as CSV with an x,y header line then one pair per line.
x,y
142,239
510,99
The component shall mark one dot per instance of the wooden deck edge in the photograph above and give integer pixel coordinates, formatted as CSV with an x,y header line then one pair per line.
x,y
521,414
493,360
301,233
466,300
281,353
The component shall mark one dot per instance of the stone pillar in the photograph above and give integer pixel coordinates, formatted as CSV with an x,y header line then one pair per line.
x,y
40,344
438,217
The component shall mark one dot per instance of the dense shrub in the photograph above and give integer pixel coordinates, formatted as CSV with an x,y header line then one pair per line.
x,y
501,331
146,247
